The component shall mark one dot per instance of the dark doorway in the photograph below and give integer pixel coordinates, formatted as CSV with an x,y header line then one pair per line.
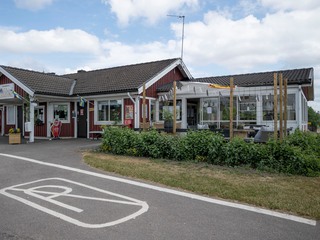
x,y
192,112
82,121
20,117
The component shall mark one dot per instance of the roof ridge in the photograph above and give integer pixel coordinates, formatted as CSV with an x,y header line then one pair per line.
x,y
128,65
38,72
242,74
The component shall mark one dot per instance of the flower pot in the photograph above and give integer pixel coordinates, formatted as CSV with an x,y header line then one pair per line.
x,y
168,126
14,138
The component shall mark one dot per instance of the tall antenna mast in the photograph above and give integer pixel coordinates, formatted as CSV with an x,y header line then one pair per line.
x,y
182,38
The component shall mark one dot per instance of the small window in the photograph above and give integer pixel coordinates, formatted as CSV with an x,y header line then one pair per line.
x,y
61,112
39,115
11,115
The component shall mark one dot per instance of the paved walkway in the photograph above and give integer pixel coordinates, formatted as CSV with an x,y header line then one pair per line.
x,y
63,151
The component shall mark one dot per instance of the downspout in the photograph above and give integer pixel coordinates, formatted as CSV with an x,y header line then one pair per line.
x,y
300,109
131,98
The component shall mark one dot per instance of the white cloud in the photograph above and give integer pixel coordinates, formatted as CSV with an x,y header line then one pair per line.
x,y
33,5
284,39
55,40
290,39
127,10
290,4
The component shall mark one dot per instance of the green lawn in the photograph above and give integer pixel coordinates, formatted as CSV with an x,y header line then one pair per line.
x,y
292,194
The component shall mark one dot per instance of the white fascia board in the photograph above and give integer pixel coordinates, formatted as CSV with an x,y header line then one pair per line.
x,y
185,69
105,96
17,82
153,80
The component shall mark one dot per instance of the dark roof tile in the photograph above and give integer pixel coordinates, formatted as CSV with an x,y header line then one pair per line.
x,y
295,76
42,83
117,79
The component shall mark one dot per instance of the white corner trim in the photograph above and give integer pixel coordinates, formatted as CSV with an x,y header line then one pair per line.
x,y
185,69
17,82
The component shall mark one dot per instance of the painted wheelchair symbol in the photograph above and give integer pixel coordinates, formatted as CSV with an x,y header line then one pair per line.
x,y
58,197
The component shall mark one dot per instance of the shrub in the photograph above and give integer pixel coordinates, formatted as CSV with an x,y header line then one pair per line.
x,y
118,140
236,153
297,154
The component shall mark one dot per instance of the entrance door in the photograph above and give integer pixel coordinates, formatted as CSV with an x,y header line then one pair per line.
x,y
192,112
82,121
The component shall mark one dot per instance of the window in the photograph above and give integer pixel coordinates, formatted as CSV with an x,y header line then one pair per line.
x,y
61,111
291,107
210,109
225,108
168,107
39,115
11,115
267,107
247,108
110,110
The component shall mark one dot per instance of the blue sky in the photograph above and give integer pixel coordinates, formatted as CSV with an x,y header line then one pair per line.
x,y
221,36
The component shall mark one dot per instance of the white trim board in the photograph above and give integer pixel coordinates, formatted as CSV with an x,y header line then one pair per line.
x,y
17,82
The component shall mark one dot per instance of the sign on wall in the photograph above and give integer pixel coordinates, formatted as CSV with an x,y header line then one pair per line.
x,y
129,112
6,91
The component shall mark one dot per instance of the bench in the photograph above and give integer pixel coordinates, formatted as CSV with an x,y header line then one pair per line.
x,y
95,134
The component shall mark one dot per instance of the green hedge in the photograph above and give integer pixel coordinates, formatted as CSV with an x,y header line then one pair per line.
x,y
299,153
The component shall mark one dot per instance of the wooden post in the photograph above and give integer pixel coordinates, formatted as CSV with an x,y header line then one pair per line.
x,y
231,109
281,107
275,105
285,117
144,107
174,130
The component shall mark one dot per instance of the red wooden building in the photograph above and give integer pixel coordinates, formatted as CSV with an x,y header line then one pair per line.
x,y
83,101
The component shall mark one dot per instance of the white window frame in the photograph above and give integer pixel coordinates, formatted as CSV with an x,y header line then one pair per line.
x,y
43,110
96,111
14,115
62,103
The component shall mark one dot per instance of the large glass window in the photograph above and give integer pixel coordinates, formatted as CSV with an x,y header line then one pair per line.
x,y
291,107
11,113
167,107
267,107
210,109
225,112
247,108
225,108
61,111
110,110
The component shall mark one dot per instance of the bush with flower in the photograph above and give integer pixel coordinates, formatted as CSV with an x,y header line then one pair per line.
x,y
14,130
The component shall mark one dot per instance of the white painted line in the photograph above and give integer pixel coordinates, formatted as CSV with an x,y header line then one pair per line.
x,y
171,191
34,192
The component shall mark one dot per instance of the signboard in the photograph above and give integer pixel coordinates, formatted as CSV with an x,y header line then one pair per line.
x,y
129,112
6,91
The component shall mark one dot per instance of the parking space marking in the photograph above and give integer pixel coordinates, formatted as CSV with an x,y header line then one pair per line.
x,y
171,191
61,191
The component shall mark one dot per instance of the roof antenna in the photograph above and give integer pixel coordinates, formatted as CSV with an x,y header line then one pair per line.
x,y
182,37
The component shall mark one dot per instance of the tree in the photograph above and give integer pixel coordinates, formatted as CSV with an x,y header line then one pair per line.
x,y
314,119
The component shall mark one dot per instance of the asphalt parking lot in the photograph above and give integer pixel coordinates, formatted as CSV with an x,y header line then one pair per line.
x,y
47,192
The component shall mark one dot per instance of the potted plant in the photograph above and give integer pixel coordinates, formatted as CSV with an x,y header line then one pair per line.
x,y
14,136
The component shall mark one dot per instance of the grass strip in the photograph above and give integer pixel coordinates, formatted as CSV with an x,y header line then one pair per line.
x,y
292,194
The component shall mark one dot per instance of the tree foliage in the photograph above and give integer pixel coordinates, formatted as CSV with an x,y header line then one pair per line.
x,y
313,118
